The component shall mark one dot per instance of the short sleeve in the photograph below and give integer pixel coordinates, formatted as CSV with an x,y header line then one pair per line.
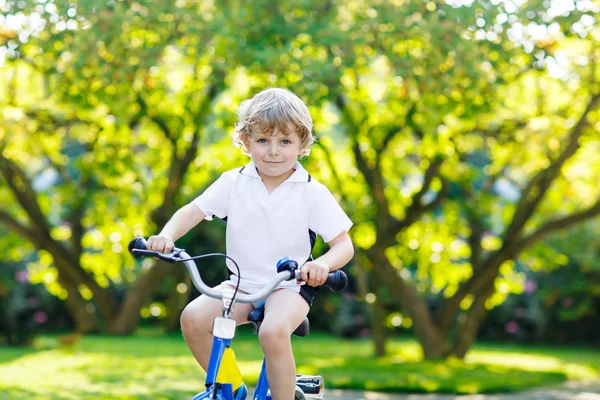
x,y
326,217
215,200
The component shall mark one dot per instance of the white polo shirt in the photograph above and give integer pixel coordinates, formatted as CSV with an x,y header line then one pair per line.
x,y
263,227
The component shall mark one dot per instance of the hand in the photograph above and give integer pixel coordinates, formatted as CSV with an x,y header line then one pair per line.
x,y
314,273
160,243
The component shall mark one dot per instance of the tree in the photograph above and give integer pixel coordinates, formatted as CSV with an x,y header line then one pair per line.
x,y
459,149
420,107
98,141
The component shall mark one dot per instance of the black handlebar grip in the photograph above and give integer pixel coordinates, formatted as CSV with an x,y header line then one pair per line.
x,y
337,281
138,243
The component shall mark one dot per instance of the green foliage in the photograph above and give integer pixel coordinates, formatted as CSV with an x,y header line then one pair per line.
x,y
118,113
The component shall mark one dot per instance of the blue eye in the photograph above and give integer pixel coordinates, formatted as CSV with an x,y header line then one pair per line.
x,y
285,141
262,140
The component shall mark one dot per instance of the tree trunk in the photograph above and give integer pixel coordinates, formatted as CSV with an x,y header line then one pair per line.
x,y
128,319
487,270
84,319
69,267
433,344
378,317
360,274
469,328
177,301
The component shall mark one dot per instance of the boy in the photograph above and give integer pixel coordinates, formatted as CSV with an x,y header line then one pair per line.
x,y
272,207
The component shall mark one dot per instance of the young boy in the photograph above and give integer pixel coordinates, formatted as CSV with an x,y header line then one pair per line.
x,y
272,207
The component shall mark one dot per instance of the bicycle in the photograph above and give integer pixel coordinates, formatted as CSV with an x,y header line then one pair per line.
x,y
223,378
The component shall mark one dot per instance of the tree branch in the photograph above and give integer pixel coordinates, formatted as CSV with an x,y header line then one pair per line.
x,y
593,66
558,224
441,196
22,189
342,105
65,261
492,179
446,313
536,189
179,165
47,116
475,225
390,134
62,171
67,265
372,175
417,209
474,239
333,170
411,122
161,123
510,251
78,212
15,226
531,196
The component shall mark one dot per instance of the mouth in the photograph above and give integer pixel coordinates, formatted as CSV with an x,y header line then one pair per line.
x,y
273,162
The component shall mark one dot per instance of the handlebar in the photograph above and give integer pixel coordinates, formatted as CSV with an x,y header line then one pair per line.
x,y
336,280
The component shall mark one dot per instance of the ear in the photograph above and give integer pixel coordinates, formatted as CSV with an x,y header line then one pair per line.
x,y
246,145
303,152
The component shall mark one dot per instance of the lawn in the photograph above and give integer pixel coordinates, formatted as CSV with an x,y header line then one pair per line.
x,y
152,366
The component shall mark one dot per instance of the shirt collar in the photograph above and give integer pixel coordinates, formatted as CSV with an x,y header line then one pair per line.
x,y
300,175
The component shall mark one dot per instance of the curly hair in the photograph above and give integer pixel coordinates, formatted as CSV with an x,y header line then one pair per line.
x,y
274,110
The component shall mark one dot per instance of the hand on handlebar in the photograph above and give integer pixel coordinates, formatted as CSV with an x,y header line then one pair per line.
x,y
160,243
314,273
138,248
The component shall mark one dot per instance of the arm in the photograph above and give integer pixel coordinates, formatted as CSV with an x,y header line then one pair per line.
x,y
339,254
180,223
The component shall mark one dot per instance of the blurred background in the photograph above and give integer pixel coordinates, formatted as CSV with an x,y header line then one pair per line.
x,y
461,136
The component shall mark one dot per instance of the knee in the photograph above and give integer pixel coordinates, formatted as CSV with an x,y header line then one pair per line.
x,y
273,336
193,321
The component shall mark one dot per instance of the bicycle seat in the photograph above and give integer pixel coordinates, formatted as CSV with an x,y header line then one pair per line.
x,y
257,315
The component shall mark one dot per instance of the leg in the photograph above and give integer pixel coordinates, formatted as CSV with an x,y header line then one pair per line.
x,y
197,321
284,311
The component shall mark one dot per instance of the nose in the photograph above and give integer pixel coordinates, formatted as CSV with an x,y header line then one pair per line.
x,y
273,149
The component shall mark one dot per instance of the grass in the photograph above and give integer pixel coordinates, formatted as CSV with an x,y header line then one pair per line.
x,y
151,366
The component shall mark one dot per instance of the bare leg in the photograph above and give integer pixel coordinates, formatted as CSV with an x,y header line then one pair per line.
x,y
284,311
197,322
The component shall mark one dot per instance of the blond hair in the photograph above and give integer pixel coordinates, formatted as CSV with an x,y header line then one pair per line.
x,y
274,109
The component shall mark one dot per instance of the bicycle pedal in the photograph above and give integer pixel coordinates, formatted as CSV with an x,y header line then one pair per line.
x,y
313,386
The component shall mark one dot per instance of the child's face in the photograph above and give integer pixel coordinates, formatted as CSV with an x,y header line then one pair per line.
x,y
274,155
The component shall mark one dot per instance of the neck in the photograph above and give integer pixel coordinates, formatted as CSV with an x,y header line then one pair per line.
x,y
272,182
